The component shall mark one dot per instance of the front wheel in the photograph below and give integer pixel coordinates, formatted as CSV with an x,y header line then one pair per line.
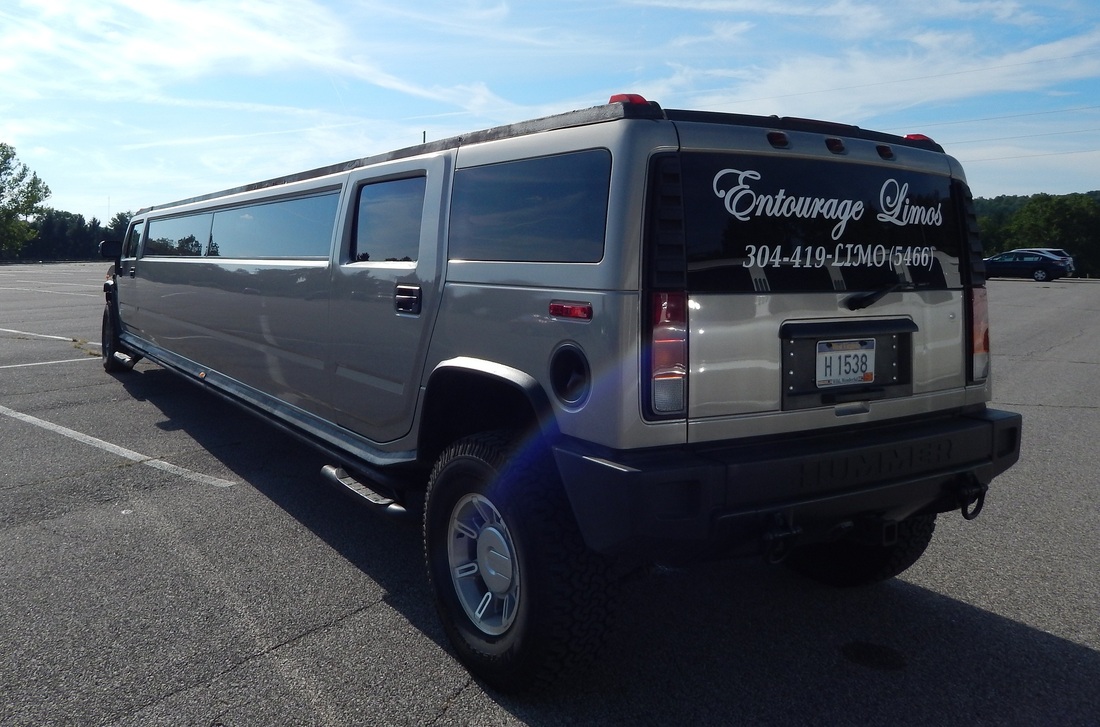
x,y
109,346
520,596
853,563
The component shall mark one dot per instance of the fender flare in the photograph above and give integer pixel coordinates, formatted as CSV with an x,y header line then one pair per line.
x,y
492,373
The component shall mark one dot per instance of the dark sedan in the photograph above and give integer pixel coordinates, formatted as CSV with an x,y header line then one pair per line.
x,y
1038,266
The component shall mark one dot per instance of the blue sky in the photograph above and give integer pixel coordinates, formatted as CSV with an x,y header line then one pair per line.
x,y
118,104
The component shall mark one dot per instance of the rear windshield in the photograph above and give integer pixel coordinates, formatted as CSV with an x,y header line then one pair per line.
x,y
760,223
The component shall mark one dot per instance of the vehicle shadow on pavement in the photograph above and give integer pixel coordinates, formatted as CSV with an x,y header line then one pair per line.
x,y
730,642
753,644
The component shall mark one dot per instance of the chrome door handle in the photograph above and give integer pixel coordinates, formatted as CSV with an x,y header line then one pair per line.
x,y
407,299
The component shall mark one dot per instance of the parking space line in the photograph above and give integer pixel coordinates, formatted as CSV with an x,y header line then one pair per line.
x,y
36,335
51,292
115,449
47,363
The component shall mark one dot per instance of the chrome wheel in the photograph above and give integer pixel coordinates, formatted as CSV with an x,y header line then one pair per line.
x,y
483,564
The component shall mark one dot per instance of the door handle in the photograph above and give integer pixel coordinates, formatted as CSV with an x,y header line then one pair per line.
x,y
407,299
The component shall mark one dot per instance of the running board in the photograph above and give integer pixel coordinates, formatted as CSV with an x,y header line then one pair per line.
x,y
339,476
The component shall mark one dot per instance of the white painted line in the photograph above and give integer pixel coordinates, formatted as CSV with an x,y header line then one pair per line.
x,y
47,363
115,449
53,292
36,335
58,282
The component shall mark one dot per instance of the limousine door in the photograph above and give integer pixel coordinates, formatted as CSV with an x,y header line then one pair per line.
x,y
127,286
385,294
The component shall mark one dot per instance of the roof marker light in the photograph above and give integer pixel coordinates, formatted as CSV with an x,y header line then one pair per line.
x,y
779,140
628,98
836,146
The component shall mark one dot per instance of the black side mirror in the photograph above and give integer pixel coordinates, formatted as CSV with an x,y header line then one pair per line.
x,y
111,249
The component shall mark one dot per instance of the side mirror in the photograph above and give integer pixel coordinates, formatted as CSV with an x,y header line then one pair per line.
x,y
111,249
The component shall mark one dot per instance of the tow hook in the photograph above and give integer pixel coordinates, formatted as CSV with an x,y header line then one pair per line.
x,y
780,539
972,499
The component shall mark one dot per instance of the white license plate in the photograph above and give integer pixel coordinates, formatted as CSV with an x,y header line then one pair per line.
x,y
842,363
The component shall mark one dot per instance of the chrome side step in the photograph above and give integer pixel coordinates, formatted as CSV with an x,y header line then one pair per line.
x,y
339,476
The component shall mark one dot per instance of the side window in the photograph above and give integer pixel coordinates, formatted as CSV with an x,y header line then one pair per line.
x,y
130,247
178,236
387,221
546,209
290,228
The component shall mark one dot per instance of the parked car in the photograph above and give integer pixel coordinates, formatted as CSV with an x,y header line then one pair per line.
x,y
1056,252
1038,266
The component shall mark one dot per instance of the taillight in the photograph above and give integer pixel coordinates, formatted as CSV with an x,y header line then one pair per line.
x,y
668,365
979,335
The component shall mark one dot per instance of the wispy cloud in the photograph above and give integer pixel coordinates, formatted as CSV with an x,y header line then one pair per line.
x,y
177,97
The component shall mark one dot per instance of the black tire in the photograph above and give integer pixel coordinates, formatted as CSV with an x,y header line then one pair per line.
x,y
849,563
1039,275
109,345
520,596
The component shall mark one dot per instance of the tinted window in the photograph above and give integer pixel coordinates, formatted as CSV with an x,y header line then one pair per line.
x,y
178,236
756,223
134,240
290,228
387,221
549,209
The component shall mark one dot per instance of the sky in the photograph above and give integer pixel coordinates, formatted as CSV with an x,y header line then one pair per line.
x,y
121,104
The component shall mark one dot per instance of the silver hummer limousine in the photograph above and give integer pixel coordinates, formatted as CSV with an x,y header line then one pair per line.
x,y
587,342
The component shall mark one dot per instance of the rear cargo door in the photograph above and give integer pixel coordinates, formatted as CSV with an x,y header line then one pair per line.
x,y
822,281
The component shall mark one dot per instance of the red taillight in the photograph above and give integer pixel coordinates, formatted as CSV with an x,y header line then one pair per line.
x,y
629,98
568,309
668,353
979,335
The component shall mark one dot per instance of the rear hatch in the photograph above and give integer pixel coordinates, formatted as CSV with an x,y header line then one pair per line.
x,y
804,276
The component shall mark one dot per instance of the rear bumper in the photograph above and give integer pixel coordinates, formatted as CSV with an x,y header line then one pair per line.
x,y
730,494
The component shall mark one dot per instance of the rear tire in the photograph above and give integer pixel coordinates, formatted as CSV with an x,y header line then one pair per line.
x,y
848,563
1039,275
520,596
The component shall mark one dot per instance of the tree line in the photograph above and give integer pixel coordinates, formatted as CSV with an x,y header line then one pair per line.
x,y
31,231
1068,221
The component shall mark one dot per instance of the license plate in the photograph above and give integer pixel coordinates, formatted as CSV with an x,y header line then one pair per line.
x,y
843,363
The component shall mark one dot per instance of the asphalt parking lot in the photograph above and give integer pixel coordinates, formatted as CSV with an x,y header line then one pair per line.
x,y
168,560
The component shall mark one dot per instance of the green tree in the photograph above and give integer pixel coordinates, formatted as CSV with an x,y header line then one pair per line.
x,y
116,228
1069,221
993,218
21,196
64,236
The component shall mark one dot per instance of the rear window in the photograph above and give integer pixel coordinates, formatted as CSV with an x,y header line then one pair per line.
x,y
758,224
